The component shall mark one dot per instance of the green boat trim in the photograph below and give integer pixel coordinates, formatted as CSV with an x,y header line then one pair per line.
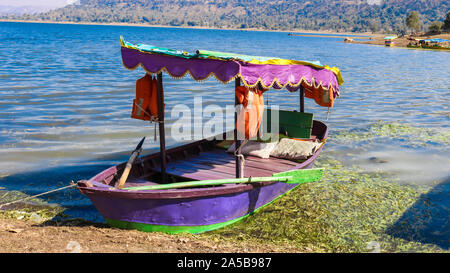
x,y
288,177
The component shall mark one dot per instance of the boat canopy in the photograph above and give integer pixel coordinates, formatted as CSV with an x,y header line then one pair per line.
x,y
270,72
436,40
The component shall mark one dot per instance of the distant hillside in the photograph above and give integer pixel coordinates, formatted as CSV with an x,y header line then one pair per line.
x,y
335,15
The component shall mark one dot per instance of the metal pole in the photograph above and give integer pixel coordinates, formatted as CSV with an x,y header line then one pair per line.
x,y
237,143
162,135
302,99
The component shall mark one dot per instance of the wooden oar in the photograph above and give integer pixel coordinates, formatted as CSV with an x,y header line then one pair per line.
x,y
127,169
289,177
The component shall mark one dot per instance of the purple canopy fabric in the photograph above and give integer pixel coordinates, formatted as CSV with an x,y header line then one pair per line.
x,y
278,76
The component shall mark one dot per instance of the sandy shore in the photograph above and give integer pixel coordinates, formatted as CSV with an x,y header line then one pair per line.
x,y
19,236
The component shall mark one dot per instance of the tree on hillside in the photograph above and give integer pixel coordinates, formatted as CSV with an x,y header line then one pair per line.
x,y
413,22
435,27
374,27
446,26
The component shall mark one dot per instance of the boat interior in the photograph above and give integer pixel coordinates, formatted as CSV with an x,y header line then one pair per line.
x,y
204,160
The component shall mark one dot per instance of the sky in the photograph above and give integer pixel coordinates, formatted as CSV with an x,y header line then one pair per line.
x,y
45,3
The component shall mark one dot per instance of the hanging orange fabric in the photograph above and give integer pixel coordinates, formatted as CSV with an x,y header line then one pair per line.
x,y
250,117
323,97
145,105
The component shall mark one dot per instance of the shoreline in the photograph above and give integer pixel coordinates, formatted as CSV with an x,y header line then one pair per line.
x,y
402,42
188,27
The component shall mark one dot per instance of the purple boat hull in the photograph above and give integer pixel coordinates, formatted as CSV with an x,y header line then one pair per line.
x,y
196,211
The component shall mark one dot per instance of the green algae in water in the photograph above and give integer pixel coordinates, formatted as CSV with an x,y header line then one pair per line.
x,y
34,209
414,136
345,212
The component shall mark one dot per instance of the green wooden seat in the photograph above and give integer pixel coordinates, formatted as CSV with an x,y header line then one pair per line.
x,y
292,123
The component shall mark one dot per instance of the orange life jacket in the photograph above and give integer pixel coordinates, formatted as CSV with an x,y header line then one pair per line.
x,y
145,105
250,117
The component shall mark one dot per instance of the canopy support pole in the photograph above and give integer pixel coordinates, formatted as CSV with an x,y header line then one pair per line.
x,y
162,135
302,99
237,143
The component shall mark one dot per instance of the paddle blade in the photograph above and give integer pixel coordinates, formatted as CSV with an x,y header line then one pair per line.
x,y
139,146
302,175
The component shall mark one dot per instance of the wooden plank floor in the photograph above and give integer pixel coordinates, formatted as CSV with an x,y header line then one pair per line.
x,y
218,164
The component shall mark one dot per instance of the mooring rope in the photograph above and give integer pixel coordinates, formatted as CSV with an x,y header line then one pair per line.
x,y
33,196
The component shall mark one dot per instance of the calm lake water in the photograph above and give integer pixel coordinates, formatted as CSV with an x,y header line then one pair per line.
x,y
65,101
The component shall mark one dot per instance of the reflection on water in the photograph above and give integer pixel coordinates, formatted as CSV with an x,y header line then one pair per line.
x,y
413,155
65,98
408,166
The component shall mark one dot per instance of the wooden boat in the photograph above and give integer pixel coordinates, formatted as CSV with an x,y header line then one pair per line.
x,y
389,43
152,198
